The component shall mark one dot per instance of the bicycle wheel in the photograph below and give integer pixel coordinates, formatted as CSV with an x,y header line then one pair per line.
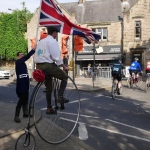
x,y
114,87
132,83
147,85
121,90
25,141
55,128
139,81
128,83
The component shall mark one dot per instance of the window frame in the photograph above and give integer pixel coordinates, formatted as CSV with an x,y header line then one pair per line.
x,y
101,33
140,34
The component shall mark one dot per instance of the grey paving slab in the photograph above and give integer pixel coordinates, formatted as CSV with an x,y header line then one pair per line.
x,y
7,124
73,143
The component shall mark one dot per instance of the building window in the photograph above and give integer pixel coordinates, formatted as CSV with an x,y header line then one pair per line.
x,y
94,30
137,30
103,33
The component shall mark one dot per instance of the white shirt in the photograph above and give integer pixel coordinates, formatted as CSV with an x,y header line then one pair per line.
x,y
48,50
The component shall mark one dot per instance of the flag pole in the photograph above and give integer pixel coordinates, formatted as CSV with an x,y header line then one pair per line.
x,y
93,76
36,37
73,65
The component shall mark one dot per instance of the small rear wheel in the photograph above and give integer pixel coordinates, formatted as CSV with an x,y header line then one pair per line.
x,y
26,141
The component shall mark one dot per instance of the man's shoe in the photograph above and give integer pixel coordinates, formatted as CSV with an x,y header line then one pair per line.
x,y
62,99
17,119
50,111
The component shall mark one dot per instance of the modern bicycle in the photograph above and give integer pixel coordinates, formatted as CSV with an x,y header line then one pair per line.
x,y
132,80
52,128
147,83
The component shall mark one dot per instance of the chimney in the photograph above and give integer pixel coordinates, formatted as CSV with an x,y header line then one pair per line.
x,y
81,1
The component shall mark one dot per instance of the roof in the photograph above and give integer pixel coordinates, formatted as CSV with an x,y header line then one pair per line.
x,y
96,11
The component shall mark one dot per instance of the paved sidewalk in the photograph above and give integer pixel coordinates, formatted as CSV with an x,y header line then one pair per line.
x,y
87,84
10,131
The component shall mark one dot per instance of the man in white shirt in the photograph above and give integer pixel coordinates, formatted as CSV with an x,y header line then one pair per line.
x,y
47,59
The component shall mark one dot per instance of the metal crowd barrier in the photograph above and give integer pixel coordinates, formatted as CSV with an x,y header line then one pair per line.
x,y
101,72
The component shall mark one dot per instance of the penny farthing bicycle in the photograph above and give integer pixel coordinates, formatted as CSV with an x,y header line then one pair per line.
x,y
52,128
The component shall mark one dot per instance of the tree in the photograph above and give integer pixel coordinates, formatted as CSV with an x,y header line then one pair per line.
x,y
12,32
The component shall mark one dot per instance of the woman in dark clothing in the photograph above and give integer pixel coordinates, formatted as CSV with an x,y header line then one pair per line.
x,y
22,84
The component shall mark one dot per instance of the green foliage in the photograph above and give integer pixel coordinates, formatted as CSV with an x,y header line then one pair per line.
x,y
12,32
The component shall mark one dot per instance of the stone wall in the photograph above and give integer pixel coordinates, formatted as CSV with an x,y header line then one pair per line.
x,y
7,64
139,12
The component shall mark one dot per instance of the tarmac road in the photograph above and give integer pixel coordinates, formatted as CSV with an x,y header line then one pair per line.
x,y
106,124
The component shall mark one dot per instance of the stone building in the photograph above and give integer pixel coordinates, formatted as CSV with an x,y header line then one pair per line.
x,y
101,16
122,34
137,33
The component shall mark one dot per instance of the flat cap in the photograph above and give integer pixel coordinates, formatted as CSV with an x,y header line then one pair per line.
x,y
52,29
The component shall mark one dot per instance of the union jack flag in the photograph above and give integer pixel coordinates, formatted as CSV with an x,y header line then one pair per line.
x,y
51,15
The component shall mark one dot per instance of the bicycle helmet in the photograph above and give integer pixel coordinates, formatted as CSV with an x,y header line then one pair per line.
x,y
38,75
136,59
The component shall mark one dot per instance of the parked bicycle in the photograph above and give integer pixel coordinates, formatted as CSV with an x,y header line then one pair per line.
x,y
52,128
132,80
147,83
115,89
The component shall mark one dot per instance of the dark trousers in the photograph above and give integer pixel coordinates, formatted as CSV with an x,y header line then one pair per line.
x,y
23,99
52,70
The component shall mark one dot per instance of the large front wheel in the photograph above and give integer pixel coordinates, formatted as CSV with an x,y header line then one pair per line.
x,y
55,128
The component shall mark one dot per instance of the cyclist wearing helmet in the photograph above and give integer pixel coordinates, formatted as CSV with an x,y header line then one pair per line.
x,y
135,67
148,67
117,71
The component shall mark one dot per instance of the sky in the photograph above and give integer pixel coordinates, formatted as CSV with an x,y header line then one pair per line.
x,y
30,4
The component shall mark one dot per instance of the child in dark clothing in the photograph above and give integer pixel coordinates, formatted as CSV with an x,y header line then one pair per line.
x,y
22,84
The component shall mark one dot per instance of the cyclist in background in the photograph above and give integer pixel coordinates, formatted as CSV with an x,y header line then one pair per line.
x,y
148,67
135,68
117,71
